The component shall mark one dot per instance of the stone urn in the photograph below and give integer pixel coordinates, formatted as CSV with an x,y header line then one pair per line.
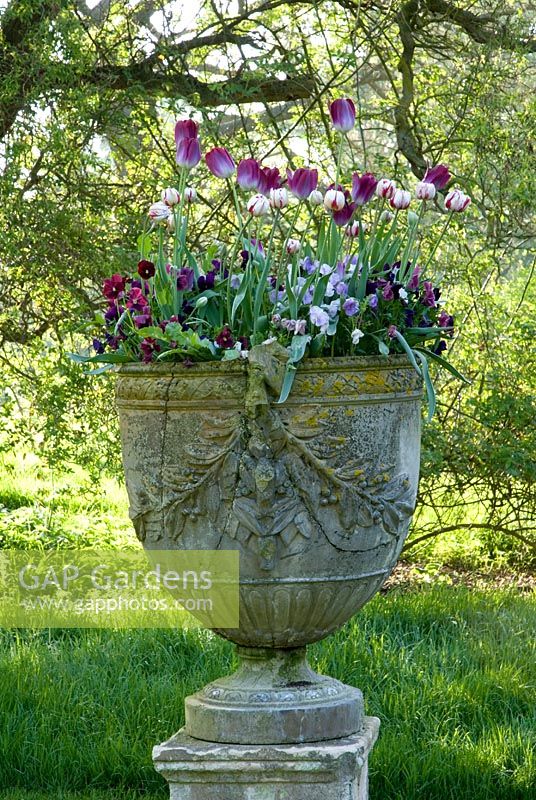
x,y
316,494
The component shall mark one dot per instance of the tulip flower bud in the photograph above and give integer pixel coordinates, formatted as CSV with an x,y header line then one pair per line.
x,y
413,218
353,229
190,194
342,114
278,198
316,198
385,188
386,216
400,199
456,200
293,247
334,200
425,191
258,205
188,153
170,223
248,174
170,196
201,301
220,162
159,212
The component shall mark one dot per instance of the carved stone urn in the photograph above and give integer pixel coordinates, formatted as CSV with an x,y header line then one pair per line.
x,y
317,495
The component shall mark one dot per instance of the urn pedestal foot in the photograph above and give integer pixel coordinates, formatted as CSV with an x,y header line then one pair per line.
x,y
328,770
274,697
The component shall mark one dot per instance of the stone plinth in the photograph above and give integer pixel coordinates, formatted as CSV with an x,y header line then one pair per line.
x,y
327,770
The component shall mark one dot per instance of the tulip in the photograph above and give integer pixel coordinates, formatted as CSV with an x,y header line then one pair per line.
x,y
302,182
248,174
363,187
278,198
185,129
438,175
159,212
170,196
316,198
385,188
342,114
269,178
220,162
386,216
456,200
258,205
344,215
188,153
353,229
400,199
190,195
425,191
334,200
170,223
293,247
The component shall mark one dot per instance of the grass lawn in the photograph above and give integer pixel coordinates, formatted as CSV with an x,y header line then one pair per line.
x,y
450,671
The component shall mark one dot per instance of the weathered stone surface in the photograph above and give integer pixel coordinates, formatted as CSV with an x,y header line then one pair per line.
x,y
316,493
274,697
334,770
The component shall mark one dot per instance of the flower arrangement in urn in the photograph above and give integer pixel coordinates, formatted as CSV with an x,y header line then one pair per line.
x,y
359,286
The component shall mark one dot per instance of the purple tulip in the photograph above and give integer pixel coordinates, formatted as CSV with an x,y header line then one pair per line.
x,y
188,153
302,182
438,175
342,114
269,178
248,174
220,162
345,214
98,346
363,187
185,129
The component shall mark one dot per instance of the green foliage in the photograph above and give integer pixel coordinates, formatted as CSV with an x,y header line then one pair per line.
x,y
449,671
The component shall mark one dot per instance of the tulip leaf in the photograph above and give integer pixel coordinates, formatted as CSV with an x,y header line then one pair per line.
x,y
444,363
430,391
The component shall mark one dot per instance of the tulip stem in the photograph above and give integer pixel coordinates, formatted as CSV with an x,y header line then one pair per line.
x,y
339,159
438,242
236,203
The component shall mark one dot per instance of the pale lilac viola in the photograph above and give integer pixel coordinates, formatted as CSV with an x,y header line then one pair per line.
x,y
188,153
302,182
319,317
363,187
388,293
342,113
220,162
248,174
350,306
439,176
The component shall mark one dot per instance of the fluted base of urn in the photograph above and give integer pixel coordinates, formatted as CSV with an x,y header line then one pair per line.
x,y
274,698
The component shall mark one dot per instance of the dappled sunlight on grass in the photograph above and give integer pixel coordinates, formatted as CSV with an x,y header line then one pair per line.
x,y
450,672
